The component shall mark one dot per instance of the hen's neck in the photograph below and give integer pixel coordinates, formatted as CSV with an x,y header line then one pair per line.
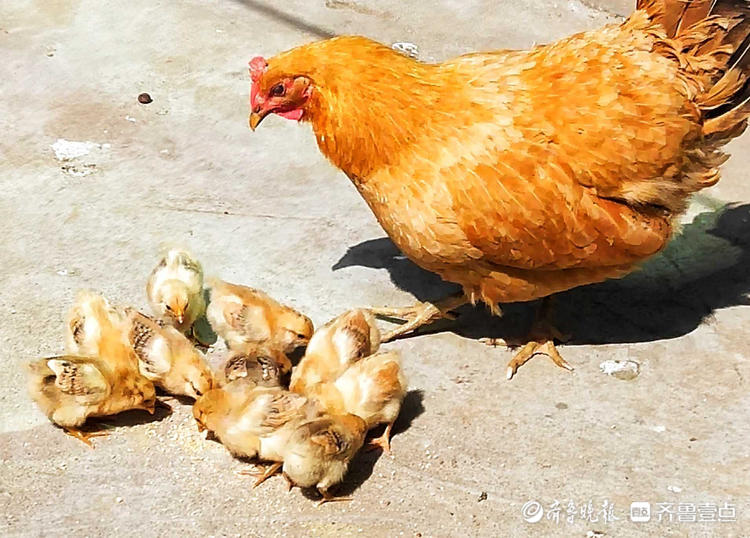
x,y
363,119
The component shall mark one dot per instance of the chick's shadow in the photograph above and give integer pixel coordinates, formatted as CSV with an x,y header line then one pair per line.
x,y
704,268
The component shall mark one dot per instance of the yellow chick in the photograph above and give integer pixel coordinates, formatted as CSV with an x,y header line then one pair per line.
x,y
166,357
69,389
245,318
175,289
260,368
86,318
253,422
335,346
372,388
318,453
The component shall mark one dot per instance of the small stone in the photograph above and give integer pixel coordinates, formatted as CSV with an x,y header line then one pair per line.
x,y
144,98
674,489
118,500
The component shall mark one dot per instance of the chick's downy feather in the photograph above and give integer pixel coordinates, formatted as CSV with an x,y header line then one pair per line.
x,y
248,318
318,453
175,289
334,347
167,357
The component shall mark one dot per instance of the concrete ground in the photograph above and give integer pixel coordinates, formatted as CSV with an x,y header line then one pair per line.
x,y
471,449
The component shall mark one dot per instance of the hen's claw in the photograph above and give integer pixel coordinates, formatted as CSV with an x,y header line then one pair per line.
x,y
532,348
418,314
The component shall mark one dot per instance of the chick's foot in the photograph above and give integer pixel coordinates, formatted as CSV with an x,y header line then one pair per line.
x,y
327,497
85,437
264,475
383,442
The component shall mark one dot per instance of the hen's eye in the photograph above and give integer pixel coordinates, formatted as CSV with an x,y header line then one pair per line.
x,y
278,90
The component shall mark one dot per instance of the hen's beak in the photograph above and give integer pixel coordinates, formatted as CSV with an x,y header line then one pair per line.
x,y
256,118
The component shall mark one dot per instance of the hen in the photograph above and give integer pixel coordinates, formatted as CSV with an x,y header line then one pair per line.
x,y
521,174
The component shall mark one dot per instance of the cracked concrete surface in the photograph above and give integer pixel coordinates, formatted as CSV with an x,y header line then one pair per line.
x,y
267,210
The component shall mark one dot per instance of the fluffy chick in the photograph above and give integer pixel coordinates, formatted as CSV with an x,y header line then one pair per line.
x,y
253,422
175,289
319,452
245,317
260,368
69,389
167,357
373,389
335,346
85,322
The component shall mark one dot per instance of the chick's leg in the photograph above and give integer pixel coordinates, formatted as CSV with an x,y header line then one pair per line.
x,y
384,441
419,314
85,437
542,341
327,497
263,476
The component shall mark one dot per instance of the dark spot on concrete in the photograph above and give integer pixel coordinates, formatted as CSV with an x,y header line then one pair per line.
x,y
561,405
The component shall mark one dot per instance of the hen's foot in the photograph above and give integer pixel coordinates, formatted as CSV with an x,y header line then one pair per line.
x,y
542,341
262,476
84,437
546,347
419,314
383,442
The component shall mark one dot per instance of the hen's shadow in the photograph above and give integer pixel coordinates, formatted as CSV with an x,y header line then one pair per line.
x,y
704,268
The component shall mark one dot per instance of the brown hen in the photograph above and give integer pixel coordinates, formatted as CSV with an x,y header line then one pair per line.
x,y
520,174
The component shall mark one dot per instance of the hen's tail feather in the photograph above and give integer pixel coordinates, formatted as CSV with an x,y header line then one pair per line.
x,y
711,41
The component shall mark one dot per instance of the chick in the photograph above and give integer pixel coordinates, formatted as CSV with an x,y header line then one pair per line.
x,y
318,453
175,289
372,388
246,318
167,357
253,422
335,346
86,318
69,388
260,368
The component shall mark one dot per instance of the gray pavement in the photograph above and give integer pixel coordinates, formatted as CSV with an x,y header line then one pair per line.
x,y
267,210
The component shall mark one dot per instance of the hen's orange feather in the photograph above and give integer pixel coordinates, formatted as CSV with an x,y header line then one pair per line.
x,y
519,174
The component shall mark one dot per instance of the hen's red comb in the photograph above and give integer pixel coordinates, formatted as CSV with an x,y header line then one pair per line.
x,y
257,66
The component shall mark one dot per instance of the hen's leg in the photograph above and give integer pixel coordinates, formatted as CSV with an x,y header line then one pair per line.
x,y
419,314
542,340
84,437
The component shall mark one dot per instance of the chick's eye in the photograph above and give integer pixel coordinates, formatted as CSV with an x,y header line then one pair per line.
x,y
278,90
